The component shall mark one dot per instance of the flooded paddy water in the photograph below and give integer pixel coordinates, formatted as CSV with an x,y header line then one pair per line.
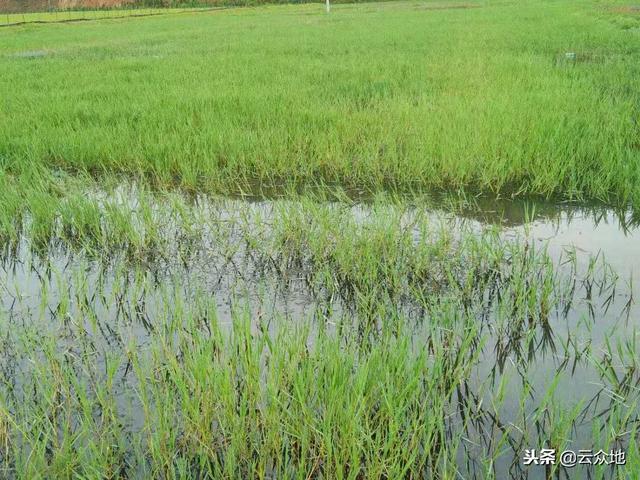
x,y
527,309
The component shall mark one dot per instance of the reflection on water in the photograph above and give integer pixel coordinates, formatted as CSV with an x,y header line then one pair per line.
x,y
590,235
570,357
517,212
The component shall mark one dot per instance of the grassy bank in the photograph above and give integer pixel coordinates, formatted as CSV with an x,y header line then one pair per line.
x,y
15,17
480,95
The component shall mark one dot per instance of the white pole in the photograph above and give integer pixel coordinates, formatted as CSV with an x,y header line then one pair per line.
x,y
328,6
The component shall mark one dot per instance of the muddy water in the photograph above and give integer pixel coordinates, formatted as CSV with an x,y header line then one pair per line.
x,y
119,305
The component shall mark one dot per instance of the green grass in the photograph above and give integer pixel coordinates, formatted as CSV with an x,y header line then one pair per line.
x,y
410,95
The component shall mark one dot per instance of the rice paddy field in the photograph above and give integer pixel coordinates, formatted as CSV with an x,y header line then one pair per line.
x,y
398,240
